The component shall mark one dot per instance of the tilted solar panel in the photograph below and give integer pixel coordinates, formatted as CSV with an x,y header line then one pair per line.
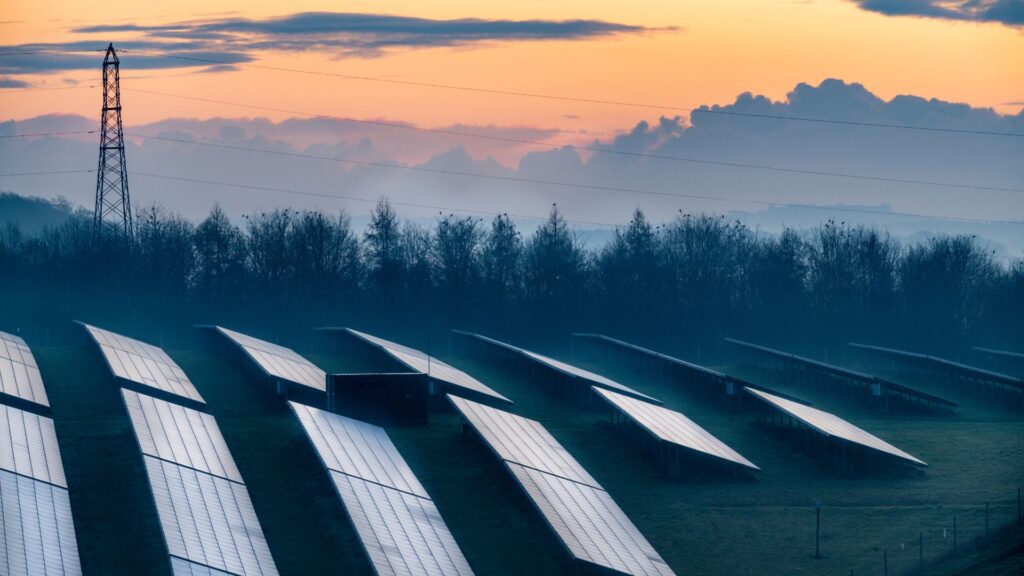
x,y
181,435
565,368
277,361
19,374
590,524
674,427
402,533
581,513
398,524
420,362
37,535
28,446
832,425
521,440
208,520
358,449
143,364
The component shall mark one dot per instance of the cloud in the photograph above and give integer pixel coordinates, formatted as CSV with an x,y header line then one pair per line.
x,y
233,40
86,55
687,186
6,82
1008,12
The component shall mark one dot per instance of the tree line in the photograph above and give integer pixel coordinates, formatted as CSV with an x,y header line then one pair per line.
x,y
696,277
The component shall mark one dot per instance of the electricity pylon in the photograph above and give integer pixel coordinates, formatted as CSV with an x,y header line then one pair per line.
x,y
113,205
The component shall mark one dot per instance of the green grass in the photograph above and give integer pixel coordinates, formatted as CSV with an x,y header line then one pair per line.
x,y
707,526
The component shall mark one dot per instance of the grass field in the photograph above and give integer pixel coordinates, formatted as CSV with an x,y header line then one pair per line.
x,y
714,527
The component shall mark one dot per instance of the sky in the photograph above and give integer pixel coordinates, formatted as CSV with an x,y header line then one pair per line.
x,y
270,76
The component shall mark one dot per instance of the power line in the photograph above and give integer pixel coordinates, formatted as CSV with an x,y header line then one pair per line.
x,y
556,183
39,134
45,89
410,127
45,173
460,210
522,94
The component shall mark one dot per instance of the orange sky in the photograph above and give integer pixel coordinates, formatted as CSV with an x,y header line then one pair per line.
x,y
722,48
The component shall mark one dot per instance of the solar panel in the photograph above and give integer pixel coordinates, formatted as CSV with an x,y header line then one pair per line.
x,y
208,520
521,440
19,374
671,426
567,369
278,361
143,364
581,513
402,533
28,446
589,523
37,535
420,362
358,449
397,522
833,426
181,567
180,435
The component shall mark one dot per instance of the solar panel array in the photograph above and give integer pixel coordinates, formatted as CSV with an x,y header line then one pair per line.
x,y
832,426
143,364
581,513
673,427
28,446
420,362
397,522
180,435
205,513
37,534
208,520
965,369
564,368
279,362
522,441
19,375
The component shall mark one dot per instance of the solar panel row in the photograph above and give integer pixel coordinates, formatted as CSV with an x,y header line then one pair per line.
x,y
37,535
582,515
208,520
564,368
205,513
833,426
143,364
180,435
522,441
965,369
420,362
398,524
673,427
28,446
277,361
19,375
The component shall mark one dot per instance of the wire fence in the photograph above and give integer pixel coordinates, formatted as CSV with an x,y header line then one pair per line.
x,y
943,545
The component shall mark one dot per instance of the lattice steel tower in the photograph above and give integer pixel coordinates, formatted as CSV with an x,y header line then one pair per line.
x,y
113,206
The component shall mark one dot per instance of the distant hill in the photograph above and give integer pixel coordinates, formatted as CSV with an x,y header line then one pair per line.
x,y
32,214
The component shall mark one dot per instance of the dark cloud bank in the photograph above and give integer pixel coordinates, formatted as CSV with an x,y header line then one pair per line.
x,y
232,40
941,157
1008,12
